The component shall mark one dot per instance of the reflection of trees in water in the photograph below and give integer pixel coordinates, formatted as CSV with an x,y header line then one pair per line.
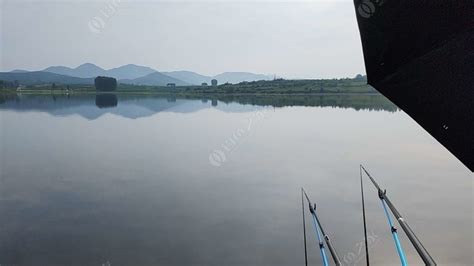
x,y
354,101
8,97
106,100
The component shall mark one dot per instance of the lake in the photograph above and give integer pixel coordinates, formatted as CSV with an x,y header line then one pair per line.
x,y
145,180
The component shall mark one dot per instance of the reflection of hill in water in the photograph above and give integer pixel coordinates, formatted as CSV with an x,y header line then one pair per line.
x,y
135,106
91,107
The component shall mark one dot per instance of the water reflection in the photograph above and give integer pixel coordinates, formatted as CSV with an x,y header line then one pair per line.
x,y
117,191
146,105
106,100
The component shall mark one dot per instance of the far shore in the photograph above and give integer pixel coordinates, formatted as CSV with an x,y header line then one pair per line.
x,y
177,93
274,87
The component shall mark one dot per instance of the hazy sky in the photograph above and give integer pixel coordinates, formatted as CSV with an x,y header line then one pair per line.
x,y
290,39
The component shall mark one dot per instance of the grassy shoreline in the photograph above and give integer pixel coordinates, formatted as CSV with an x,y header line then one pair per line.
x,y
273,87
357,97
145,92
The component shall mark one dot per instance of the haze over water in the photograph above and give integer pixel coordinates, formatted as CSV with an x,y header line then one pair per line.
x,y
157,181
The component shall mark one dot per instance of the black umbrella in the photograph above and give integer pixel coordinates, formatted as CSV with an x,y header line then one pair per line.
x,y
420,55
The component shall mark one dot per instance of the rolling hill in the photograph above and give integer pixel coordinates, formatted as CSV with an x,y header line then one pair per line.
x,y
86,70
129,71
226,77
237,77
129,74
40,77
89,70
154,79
189,77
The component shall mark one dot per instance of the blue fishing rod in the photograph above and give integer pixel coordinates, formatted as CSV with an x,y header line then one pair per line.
x,y
316,230
320,231
425,256
393,229
318,234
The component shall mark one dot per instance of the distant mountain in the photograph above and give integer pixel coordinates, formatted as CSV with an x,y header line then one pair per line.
x,y
189,77
61,70
230,77
86,70
129,71
135,74
237,77
89,70
154,79
19,71
40,77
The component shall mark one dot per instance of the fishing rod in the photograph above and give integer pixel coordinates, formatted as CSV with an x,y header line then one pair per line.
x,y
304,230
363,217
393,229
425,256
318,234
317,224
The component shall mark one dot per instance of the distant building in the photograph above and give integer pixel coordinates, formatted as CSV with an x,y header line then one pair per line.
x,y
204,84
214,102
171,85
214,82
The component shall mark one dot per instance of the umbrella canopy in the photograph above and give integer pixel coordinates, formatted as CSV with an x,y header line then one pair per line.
x,y
420,55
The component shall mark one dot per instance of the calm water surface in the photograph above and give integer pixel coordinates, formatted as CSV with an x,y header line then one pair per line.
x,y
133,180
